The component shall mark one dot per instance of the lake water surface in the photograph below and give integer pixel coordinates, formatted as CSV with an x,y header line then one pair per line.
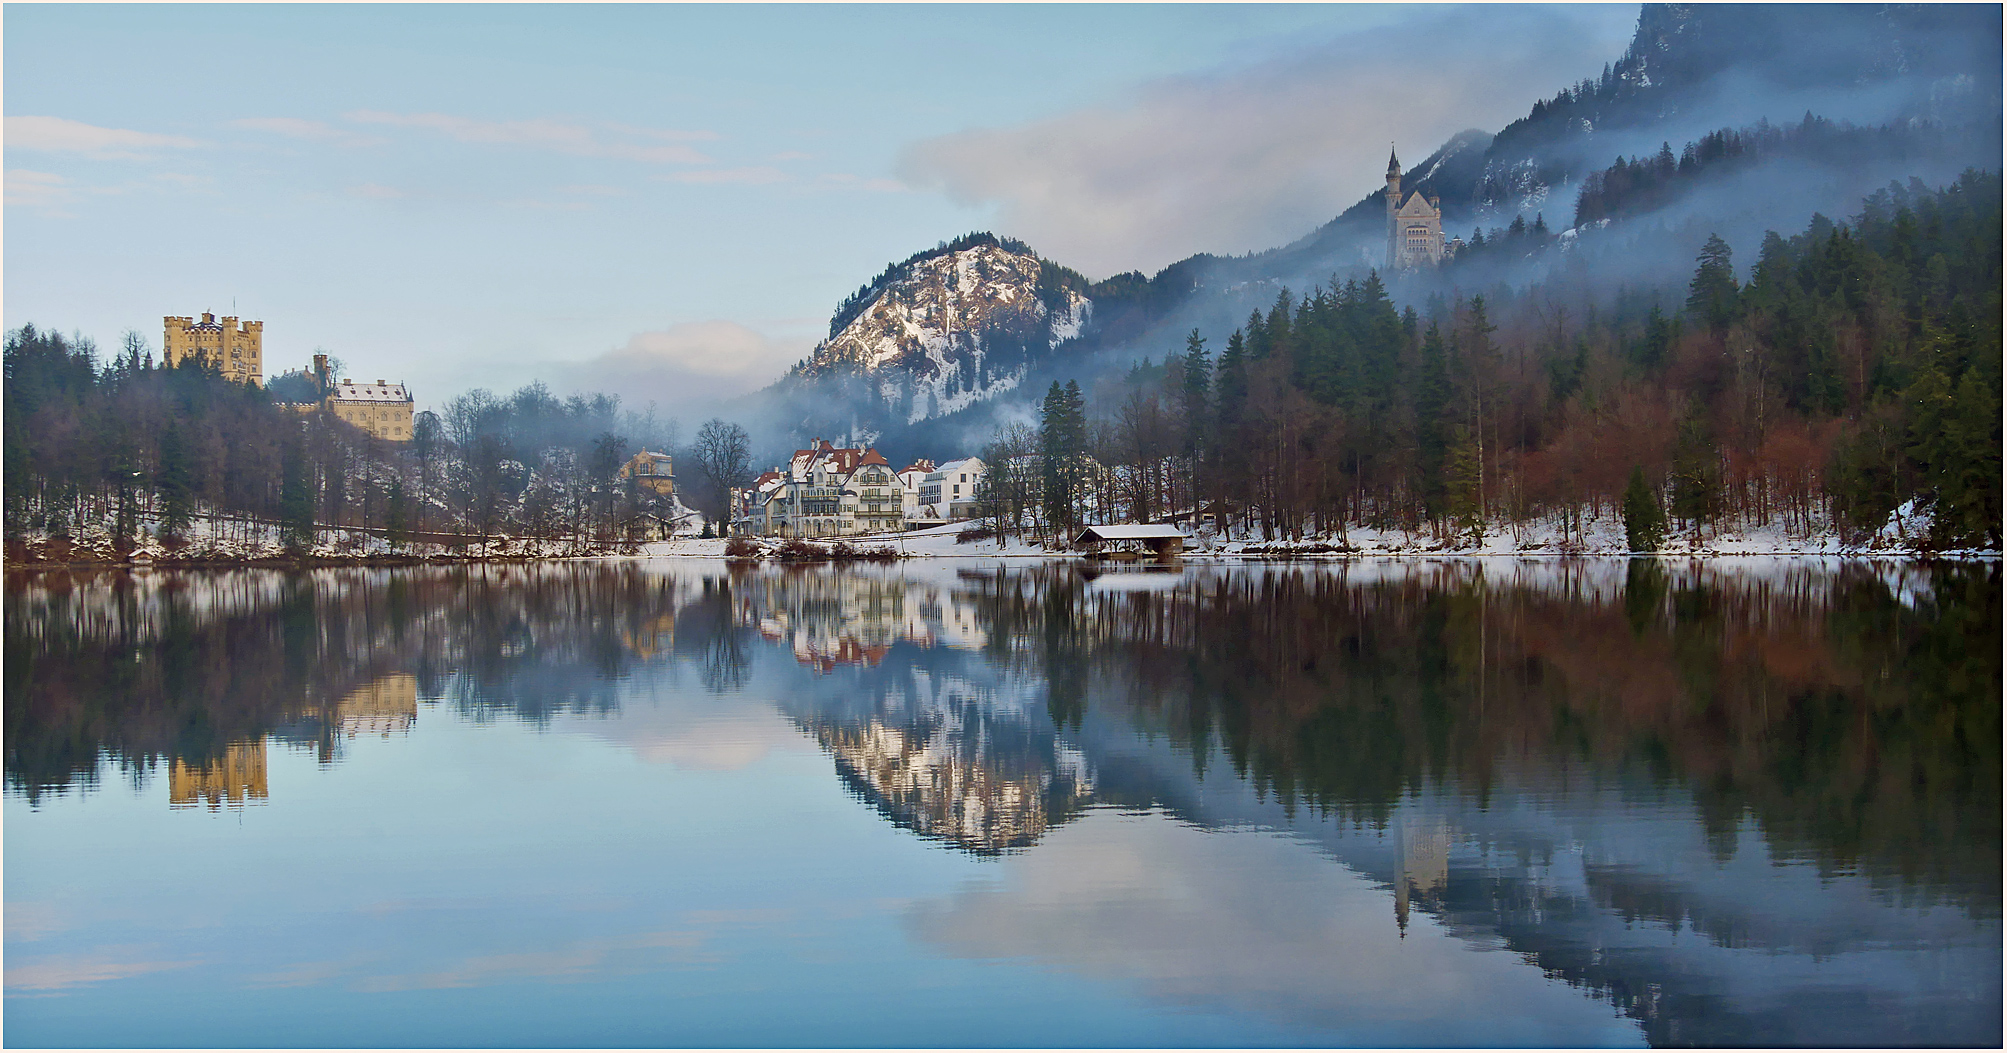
x,y
674,802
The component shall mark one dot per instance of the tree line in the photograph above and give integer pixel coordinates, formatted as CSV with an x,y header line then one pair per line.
x,y
1857,368
126,447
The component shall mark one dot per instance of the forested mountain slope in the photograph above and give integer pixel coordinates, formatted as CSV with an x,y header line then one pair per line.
x,y
1729,120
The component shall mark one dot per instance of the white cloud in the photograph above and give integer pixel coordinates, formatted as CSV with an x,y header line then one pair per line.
x,y
1256,155
752,176
667,134
684,366
578,140
312,131
852,182
1247,921
61,135
41,190
695,732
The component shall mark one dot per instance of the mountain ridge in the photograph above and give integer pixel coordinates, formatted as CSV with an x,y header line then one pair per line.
x,y
1675,80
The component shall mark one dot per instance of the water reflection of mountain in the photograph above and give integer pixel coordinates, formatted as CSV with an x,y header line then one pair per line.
x,y
1706,794
1754,804
919,722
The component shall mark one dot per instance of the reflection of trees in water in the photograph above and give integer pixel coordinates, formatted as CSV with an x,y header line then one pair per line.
x,y
143,669
1859,731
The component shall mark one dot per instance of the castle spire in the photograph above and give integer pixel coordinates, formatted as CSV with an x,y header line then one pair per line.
x,y
1393,161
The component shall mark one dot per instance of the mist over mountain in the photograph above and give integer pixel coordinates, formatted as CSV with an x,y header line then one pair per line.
x,y
1729,120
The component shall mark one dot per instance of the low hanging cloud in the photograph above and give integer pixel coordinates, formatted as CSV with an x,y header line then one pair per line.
x,y
64,136
1255,155
617,141
685,366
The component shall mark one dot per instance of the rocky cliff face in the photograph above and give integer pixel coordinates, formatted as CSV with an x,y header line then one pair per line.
x,y
951,328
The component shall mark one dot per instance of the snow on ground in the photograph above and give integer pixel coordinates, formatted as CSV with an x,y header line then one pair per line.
x,y
227,539
933,541
1603,536
231,539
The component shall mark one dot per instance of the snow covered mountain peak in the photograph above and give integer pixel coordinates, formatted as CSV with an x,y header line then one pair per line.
x,y
952,327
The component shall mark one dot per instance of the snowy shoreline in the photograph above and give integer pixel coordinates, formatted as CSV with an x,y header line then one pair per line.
x,y
240,544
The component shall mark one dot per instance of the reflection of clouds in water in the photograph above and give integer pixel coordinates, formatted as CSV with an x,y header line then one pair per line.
x,y
1253,921
32,921
59,972
697,733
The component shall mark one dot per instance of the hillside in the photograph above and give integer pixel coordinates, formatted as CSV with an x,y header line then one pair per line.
x,y
1721,119
949,328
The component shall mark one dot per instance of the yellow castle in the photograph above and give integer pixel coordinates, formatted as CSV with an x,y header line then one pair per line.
x,y
237,351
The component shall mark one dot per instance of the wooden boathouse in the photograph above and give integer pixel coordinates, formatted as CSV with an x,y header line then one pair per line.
x,y
1128,540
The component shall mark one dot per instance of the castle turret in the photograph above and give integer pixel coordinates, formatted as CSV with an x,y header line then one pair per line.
x,y
1393,207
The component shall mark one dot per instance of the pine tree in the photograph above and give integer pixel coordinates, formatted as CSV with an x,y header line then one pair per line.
x,y
1644,520
173,484
1073,450
396,514
1461,482
1432,425
1696,489
1195,399
1052,458
1712,292
296,496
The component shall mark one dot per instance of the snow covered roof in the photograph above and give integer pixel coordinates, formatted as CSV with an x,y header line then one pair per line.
x,y
350,391
1129,532
963,464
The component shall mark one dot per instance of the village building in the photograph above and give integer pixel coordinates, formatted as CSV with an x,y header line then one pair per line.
x,y
650,472
949,492
236,350
910,478
747,516
826,491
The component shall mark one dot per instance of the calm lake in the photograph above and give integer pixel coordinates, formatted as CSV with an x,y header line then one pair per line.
x,y
675,802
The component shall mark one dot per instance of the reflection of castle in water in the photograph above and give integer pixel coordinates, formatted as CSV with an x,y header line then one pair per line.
x,y
1425,851
233,780
382,706
938,740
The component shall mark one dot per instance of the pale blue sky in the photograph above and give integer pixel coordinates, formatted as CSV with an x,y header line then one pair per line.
x,y
668,201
